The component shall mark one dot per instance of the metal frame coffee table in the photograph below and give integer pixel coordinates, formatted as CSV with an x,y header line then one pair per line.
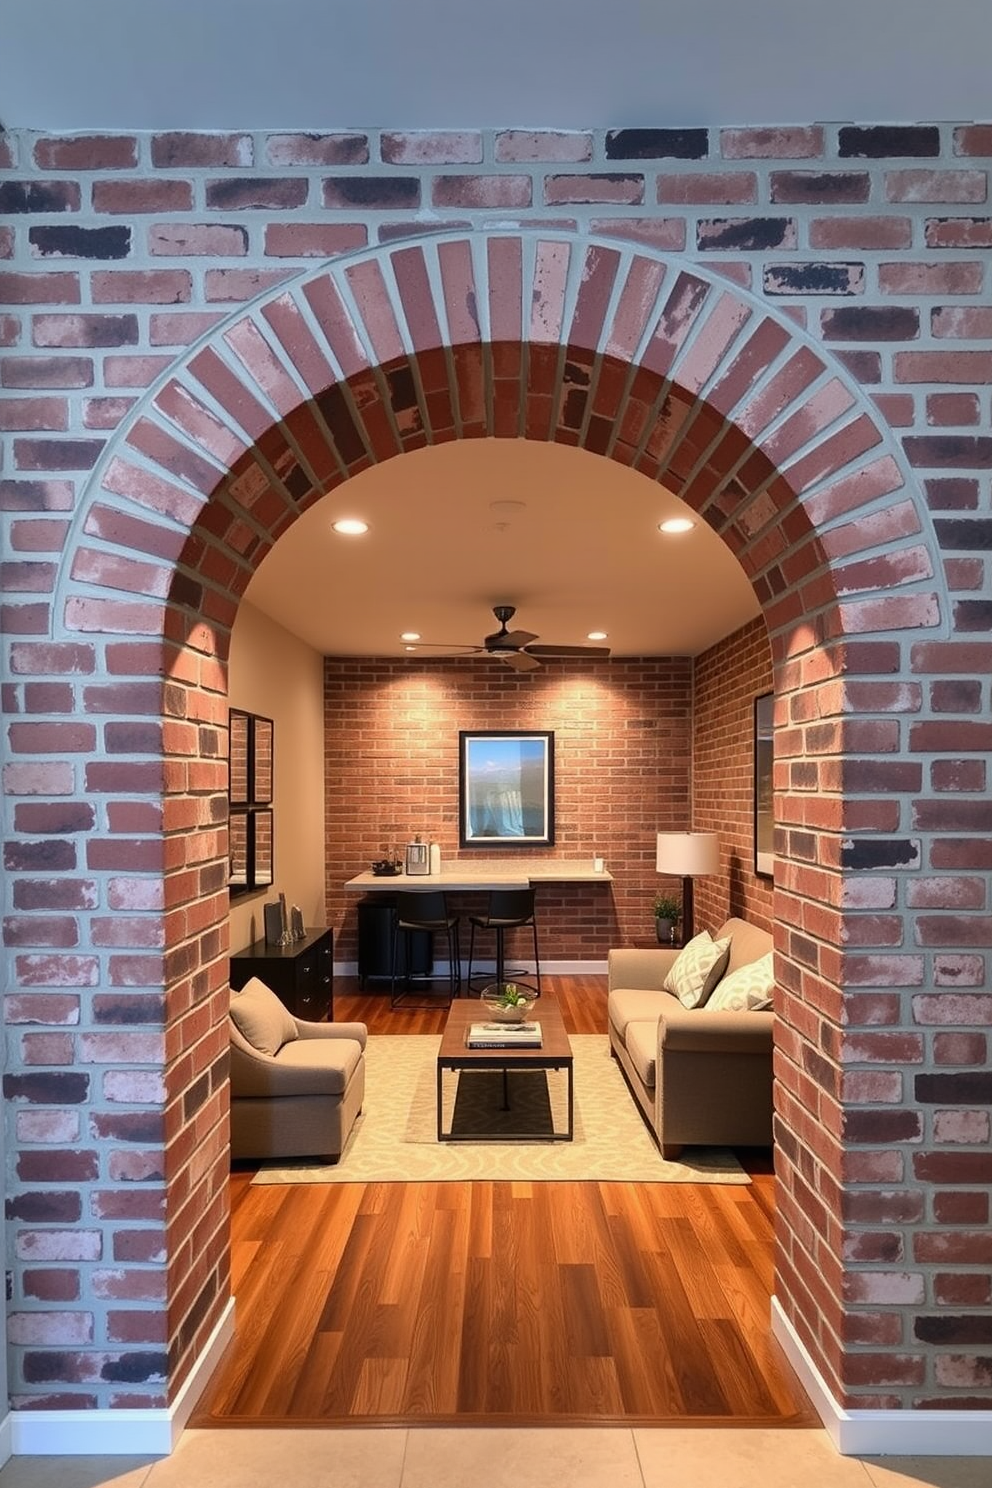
x,y
555,1053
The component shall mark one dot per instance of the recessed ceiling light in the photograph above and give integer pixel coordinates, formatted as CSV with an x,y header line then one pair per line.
x,y
596,635
410,635
676,524
350,526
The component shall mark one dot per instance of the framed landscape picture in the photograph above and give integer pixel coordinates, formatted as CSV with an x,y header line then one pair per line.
x,y
764,811
506,789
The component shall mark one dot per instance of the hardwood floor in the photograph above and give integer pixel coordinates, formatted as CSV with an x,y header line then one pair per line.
x,y
530,1303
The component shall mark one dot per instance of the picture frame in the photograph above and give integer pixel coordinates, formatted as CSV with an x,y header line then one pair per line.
x,y
506,788
239,757
764,805
250,789
262,739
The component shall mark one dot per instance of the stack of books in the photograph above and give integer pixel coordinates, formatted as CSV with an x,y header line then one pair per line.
x,y
504,1036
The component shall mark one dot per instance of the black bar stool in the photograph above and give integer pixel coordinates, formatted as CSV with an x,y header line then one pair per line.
x,y
426,910
508,909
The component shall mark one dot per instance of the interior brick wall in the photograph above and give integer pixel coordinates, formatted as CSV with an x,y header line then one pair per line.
x,y
790,327
622,748
726,680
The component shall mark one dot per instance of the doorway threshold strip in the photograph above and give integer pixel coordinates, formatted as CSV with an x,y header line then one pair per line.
x,y
395,1138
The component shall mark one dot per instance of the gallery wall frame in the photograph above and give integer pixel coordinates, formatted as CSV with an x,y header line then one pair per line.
x,y
506,788
764,806
250,824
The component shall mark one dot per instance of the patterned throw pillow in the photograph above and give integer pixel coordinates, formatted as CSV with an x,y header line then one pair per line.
x,y
745,990
697,969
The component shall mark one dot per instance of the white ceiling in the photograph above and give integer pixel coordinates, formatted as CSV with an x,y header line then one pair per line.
x,y
584,551
581,552
427,64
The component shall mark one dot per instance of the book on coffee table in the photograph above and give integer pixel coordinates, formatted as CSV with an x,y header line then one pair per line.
x,y
503,1036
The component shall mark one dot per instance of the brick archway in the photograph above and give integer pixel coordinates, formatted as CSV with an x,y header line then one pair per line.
x,y
632,356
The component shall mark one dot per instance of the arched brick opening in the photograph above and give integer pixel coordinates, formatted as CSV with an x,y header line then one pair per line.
x,y
633,357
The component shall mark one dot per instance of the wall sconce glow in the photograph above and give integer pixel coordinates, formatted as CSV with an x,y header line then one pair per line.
x,y
410,635
597,635
350,526
676,524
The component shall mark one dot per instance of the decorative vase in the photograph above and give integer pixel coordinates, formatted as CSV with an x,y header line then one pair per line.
x,y
665,931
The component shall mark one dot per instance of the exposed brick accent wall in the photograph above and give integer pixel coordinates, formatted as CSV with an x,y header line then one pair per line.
x,y
623,738
726,680
832,426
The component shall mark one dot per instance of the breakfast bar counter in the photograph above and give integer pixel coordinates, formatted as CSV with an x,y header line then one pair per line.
x,y
493,873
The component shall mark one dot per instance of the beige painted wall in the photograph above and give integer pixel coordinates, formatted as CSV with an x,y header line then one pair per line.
x,y
277,674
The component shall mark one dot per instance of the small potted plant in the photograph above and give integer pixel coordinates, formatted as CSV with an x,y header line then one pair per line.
x,y
666,917
508,1002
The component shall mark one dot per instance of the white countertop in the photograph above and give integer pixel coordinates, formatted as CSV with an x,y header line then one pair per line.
x,y
482,873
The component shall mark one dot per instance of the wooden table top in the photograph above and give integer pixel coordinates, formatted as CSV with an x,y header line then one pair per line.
x,y
555,1048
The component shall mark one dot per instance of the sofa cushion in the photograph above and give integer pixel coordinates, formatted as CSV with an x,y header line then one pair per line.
x,y
261,1018
312,1068
745,990
642,1049
697,969
628,1005
747,942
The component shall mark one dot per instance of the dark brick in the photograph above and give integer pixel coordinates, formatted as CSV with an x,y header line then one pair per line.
x,y
384,192
881,141
39,196
873,852
46,1208
966,1328
820,186
194,1097
814,278
964,534
122,1011
241,193
951,493
870,323
48,1088
129,1126
973,615
135,1368
949,450
27,857
879,1128
866,366
657,144
57,1167
972,1088
81,242
744,234
56,818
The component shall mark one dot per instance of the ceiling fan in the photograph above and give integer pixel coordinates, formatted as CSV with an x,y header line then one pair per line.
x,y
513,647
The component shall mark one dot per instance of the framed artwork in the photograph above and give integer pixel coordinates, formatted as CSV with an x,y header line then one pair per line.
x,y
764,808
506,795
249,798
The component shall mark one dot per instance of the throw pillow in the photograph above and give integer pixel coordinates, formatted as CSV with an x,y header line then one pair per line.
x,y
745,990
697,969
261,1018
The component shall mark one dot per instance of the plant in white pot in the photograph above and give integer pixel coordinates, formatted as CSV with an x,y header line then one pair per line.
x,y
666,917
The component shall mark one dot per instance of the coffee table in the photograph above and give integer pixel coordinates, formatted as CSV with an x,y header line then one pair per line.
x,y
555,1053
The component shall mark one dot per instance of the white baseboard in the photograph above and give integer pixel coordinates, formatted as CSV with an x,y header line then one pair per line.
x,y
135,1433
482,968
882,1433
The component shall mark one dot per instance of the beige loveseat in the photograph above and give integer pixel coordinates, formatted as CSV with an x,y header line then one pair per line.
x,y
296,1087
702,1077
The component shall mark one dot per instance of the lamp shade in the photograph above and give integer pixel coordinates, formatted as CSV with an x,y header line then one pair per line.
x,y
688,854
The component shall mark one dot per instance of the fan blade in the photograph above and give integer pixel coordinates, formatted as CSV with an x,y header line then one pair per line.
x,y
590,651
508,640
520,661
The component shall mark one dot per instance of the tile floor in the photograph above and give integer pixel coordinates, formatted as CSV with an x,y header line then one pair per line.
x,y
490,1457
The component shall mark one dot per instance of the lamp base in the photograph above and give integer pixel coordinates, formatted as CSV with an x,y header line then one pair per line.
x,y
687,930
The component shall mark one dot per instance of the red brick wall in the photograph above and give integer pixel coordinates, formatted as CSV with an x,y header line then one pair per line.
x,y
832,426
726,680
623,735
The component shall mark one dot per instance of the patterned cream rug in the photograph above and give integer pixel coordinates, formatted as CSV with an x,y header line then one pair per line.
x,y
395,1138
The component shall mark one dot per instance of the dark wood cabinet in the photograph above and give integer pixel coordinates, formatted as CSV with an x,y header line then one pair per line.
x,y
376,917
300,974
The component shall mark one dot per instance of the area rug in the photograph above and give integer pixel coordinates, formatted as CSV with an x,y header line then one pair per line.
x,y
395,1138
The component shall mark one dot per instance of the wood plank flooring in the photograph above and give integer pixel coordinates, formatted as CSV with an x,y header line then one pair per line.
x,y
507,1303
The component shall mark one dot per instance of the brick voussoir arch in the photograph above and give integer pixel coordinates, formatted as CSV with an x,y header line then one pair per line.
x,y
608,346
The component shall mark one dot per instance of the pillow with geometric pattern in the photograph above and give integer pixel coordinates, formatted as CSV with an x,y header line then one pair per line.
x,y
745,990
697,969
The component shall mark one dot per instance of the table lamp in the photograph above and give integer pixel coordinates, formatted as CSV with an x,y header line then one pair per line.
x,y
689,855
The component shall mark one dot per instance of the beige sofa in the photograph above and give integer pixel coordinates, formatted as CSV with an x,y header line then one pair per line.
x,y
296,1087
701,1077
